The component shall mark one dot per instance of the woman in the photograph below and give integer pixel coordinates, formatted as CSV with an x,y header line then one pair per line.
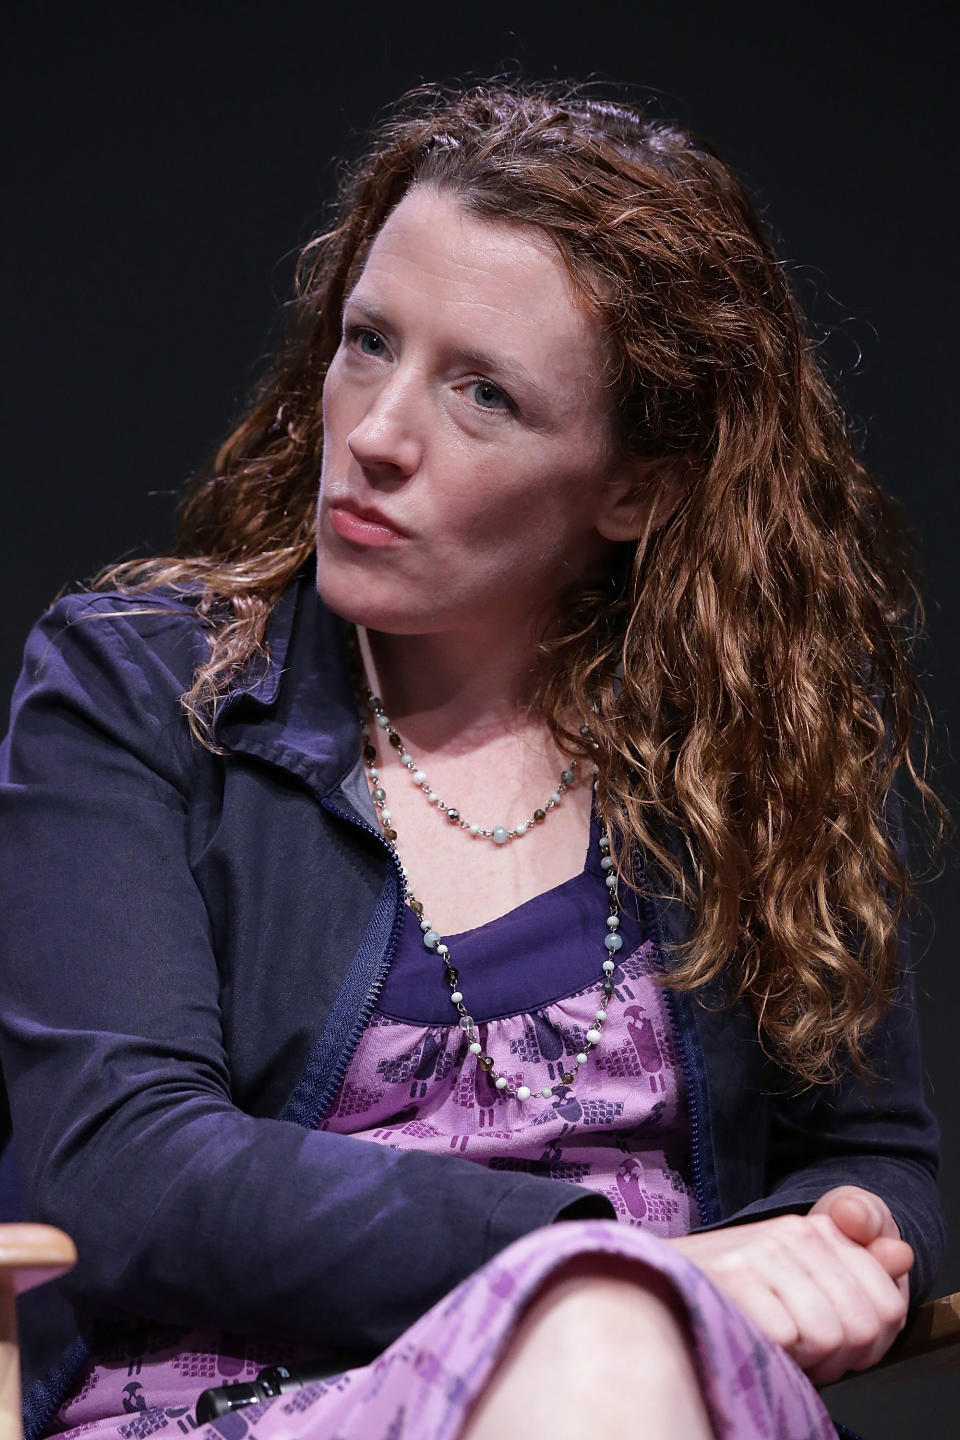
x,y
305,1052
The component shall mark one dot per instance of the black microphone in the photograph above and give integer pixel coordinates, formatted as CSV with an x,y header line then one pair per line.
x,y
273,1381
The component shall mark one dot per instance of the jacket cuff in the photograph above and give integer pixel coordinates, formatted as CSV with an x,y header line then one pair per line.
x,y
527,1207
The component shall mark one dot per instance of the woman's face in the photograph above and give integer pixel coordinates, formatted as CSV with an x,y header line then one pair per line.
x,y
466,429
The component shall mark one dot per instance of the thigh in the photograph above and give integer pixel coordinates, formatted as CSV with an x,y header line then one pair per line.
x,y
427,1382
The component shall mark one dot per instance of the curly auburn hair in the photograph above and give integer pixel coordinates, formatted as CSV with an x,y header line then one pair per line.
x,y
748,661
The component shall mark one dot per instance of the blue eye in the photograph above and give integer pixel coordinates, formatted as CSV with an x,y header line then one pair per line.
x,y
489,393
359,336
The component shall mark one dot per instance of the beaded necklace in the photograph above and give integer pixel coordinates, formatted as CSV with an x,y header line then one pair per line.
x,y
432,938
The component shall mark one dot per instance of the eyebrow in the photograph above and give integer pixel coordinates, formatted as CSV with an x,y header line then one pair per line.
x,y
511,371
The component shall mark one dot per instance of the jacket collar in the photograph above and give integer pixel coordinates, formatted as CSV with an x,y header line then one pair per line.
x,y
298,710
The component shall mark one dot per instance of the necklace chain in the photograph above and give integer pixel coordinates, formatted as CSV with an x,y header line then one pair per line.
x,y
502,1081
499,834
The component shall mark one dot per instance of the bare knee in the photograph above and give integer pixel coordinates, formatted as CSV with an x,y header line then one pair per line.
x,y
598,1317
596,1302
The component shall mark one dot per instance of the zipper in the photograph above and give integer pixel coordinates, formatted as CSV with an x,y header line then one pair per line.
x,y
335,1079
706,1208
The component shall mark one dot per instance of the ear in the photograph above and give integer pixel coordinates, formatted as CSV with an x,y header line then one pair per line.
x,y
640,496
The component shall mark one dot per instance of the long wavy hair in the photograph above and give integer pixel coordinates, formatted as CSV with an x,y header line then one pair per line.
x,y
746,665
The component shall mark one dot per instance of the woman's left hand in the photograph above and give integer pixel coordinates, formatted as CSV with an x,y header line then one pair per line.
x,y
830,1286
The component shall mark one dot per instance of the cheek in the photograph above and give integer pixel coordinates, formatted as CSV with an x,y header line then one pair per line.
x,y
486,506
340,406
329,397
546,498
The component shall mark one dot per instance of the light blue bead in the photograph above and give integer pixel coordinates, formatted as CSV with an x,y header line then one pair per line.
x,y
606,863
500,835
431,939
613,941
611,882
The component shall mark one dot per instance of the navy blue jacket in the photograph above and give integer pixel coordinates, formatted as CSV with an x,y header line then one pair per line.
x,y
191,946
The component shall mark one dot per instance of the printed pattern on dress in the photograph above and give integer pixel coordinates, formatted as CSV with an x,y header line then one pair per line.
x,y
621,1129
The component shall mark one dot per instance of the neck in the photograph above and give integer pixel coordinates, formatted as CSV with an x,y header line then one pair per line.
x,y
451,690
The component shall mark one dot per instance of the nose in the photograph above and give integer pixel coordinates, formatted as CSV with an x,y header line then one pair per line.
x,y
387,440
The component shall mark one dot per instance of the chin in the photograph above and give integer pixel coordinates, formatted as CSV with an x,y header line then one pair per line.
x,y
370,601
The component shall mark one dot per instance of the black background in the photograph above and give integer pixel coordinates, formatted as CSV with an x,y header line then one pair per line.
x,y
165,163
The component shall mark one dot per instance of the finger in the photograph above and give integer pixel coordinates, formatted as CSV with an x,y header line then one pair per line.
x,y
767,1311
871,1303
834,1310
859,1213
852,1212
768,1280
896,1256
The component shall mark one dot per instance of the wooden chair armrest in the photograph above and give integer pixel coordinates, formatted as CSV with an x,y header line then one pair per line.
x,y
31,1254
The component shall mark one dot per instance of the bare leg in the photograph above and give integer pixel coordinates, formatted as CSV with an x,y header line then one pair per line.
x,y
601,1351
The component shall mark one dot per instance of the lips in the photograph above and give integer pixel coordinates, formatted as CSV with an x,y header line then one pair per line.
x,y
362,524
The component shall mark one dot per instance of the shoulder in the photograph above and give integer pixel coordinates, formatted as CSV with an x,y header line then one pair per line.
x,y
113,665
157,633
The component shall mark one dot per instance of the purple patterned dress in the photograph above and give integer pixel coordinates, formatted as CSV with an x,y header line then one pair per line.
x,y
622,1130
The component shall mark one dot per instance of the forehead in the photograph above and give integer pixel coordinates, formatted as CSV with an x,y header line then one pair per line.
x,y
495,284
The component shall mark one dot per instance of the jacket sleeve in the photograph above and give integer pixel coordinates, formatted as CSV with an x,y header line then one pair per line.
x,y
184,1208
878,1134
